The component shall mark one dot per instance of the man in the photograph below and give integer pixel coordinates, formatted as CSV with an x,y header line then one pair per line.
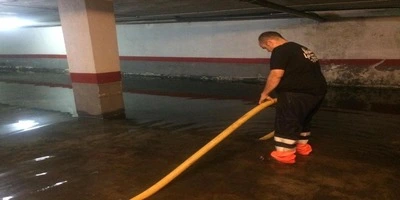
x,y
295,75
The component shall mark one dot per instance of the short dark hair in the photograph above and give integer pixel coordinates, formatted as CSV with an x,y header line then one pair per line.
x,y
268,35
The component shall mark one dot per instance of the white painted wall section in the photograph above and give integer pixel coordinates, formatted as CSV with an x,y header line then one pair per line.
x,y
47,40
355,39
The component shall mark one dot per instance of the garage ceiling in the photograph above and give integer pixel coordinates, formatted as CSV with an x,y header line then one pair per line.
x,y
45,12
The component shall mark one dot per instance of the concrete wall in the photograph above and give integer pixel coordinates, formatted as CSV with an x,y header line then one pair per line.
x,y
238,39
363,52
32,41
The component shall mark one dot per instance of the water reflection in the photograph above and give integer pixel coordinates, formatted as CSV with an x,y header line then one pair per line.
x,y
41,174
13,125
42,158
25,124
38,96
56,93
52,186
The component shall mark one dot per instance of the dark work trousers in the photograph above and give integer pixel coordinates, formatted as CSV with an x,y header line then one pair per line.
x,y
294,112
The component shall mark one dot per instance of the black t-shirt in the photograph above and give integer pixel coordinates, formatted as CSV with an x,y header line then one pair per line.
x,y
302,70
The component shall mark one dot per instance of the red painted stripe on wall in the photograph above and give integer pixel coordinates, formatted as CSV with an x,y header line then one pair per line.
x,y
362,62
197,59
33,56
99,78
352,62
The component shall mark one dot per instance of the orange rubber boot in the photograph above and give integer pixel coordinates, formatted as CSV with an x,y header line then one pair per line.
x,y
284,156
303,149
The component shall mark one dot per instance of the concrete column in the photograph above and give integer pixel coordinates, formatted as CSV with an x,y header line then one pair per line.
x,y
92,51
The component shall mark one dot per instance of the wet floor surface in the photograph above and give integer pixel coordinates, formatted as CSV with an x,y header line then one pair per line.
x,y
47,154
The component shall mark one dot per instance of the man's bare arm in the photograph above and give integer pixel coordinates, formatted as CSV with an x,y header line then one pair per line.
x,y
273,80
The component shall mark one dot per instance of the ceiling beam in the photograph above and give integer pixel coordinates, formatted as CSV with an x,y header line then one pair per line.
x,y
285,9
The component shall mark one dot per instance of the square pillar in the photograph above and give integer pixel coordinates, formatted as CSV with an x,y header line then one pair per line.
x,y
90,36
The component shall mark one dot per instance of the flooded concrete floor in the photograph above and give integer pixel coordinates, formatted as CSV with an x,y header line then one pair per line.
x,y
57,156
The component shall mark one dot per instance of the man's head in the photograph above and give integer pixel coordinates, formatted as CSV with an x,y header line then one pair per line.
x,y
270,39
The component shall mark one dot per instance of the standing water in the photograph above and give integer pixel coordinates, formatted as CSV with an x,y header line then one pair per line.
x,y
47,153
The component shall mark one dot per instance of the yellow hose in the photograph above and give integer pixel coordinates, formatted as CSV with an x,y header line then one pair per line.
x,y
268,136
193,158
